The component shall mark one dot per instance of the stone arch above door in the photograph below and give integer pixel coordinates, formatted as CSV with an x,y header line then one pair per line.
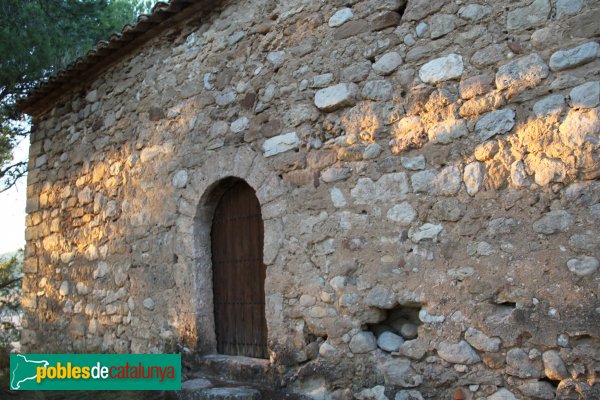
x,y
193,249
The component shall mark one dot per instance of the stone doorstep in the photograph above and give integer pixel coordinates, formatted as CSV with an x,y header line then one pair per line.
x,y
235,368
200,388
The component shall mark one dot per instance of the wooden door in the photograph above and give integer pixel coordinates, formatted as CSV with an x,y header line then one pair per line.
x,y
239,274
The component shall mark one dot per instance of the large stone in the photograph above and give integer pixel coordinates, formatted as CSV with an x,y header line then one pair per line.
x,y
448,210
586,95
351,29
180,179
519,364
494,123
276,58
228,393
415,163
281,143
381,297
553,104
441,24
414,349
579,127
475,86
398,372
337,96
530,16
374,393
522,73
445,182
389,341
568,7
387,63
388,188
340,17
474,12
481,341
458,353
446,131
442,69
363,342
402,213
379,90
385,20
535,389
554,367
582,54
553,222
583,265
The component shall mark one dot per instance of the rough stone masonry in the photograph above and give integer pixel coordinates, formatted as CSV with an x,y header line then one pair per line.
x,y
428,175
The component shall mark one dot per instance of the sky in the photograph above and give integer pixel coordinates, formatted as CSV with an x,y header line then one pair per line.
x,y
12,209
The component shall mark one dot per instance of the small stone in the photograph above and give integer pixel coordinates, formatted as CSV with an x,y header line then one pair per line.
x,y
380,90
586,95
446,131
337,198
235,37
337,96
562,340
441,24
336,174
101,271
64,289
519,364
402,213
372,151
240,125
281,143
196,384
461,274
82,288
413,163
408,395
321,81
442,69
276,58
225,98
525,72
553,222
494,123
582,54
381,297
409,40
398,372
389,341
553,104
425,232
374,393
568,7
387,63
340,17
458,353
481,341
409,330
530,16
554,367
363,342
473,177
180,179
85,196
148,304
583,265
327,350
485,249
448,210
414,349
474,12
502,394
422,29
92,96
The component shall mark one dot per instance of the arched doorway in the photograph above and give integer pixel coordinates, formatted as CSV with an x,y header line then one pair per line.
x,y
239,273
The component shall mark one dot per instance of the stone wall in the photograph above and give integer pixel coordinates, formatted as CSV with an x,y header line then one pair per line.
x,y
428,176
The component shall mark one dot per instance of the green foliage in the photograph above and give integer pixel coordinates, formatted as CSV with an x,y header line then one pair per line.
x,y
38,38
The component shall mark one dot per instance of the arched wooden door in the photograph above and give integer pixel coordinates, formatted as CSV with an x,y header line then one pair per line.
x,y
239,273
